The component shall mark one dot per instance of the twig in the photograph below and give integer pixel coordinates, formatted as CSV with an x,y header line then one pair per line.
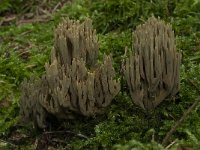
x,y
173,129
58,141
82,136
170,145
56,7
78,135
8,143
194,84
41,18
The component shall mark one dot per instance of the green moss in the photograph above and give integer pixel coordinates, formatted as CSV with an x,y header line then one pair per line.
x,y
124,125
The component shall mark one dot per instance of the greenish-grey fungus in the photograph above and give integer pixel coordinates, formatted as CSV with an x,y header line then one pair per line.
x,y
152,71
74,82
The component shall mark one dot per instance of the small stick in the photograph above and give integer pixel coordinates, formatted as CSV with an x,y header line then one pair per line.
x,y
170,145
196,86
173,129
56,7
13,145
78,135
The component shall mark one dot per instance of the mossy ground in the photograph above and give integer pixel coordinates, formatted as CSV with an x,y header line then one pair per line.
x,y
25,48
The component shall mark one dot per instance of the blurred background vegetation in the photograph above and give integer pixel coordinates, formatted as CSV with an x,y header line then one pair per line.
x,y
26,39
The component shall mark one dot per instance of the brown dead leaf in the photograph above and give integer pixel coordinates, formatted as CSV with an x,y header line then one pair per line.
x,y
43,18
5,102
181,147
51,148
7,20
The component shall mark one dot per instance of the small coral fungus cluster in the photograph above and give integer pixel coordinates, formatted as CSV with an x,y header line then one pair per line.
x,y
152,70
75,83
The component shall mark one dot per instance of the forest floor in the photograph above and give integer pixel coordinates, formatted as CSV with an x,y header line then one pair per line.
x,y
27,38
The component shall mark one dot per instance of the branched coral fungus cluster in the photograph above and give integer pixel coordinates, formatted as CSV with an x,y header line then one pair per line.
x,y
75,83
152,70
